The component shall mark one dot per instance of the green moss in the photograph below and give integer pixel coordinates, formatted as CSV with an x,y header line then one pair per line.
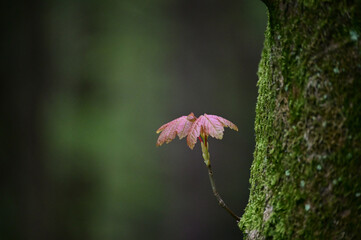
x,y
307,161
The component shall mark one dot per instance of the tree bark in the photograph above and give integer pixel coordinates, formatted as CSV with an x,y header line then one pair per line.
x,y
305,177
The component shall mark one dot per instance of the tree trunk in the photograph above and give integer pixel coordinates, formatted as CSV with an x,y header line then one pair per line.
x,y
305,177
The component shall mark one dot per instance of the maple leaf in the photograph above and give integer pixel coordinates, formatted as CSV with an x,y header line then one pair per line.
x,y
179,126
204,126
208,125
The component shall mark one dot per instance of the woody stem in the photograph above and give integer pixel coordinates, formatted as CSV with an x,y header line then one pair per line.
x,y
216,194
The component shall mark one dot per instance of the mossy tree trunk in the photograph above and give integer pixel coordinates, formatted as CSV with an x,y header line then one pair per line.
x,y
306,173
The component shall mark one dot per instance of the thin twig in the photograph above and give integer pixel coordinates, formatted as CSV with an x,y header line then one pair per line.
x,y
216,194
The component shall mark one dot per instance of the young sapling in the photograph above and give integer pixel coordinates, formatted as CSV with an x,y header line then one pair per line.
x,y
198,128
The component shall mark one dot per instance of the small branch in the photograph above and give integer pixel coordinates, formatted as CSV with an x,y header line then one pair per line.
x,y
216,194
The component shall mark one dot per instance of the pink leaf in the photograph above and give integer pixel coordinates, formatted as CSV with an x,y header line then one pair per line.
x,y
211,125
179,126
194,132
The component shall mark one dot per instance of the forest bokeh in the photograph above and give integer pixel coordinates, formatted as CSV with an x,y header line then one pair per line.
x,y
85,86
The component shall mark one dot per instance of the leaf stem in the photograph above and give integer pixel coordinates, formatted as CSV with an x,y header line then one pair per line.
x,y
216,194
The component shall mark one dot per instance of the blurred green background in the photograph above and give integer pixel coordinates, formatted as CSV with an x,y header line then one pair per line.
x,y
85,86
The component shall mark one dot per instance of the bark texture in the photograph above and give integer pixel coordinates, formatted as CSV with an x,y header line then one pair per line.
x,y
306,173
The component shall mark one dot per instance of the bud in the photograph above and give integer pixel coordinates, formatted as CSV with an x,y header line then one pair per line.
x,y
205,154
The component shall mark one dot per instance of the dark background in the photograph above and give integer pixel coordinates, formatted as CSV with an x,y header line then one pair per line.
x,y
85,85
